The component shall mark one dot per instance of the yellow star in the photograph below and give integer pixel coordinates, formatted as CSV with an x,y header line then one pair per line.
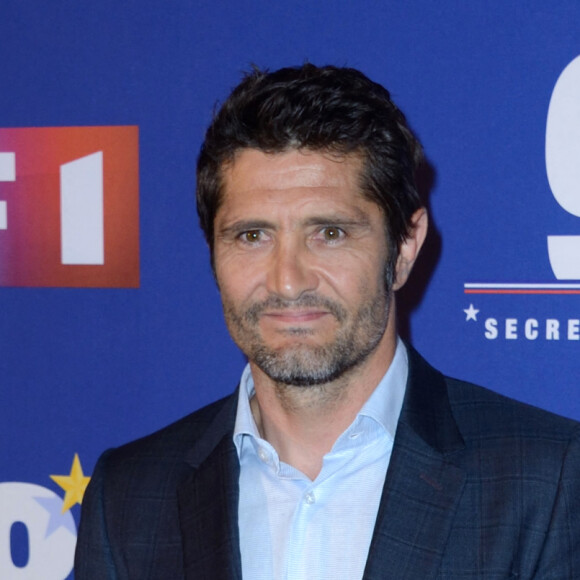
x,y
73,484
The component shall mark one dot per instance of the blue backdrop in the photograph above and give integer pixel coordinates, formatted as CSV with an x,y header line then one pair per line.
x,y
83,369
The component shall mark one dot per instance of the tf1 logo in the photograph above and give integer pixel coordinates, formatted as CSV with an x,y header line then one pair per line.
x,y
69,207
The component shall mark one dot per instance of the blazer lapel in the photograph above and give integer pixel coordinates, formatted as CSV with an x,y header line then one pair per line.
x,y
422,487
208,504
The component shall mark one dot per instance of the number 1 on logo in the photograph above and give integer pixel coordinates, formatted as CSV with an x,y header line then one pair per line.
x,y
81,210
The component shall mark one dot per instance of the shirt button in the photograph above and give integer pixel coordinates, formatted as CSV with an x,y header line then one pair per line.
x,y
309,498
354,435
263,455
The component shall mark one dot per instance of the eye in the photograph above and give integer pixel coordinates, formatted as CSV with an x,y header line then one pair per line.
x,y
332,234
251,236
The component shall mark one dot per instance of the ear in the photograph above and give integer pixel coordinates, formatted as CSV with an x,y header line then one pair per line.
x,y
409,249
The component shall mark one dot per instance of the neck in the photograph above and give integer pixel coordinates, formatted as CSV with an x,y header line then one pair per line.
x,y
303,422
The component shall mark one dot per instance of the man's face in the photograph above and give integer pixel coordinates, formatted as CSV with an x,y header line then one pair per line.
x,y
300,260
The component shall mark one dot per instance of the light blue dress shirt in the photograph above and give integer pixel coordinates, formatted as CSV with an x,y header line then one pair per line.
x,y
292,528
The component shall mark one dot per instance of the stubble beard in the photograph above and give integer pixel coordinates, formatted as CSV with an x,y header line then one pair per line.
x,y
303,364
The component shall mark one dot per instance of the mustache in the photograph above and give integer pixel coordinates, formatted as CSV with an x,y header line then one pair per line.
x,y
275,303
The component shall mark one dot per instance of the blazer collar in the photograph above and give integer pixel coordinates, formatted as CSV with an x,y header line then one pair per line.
x,y
426,408
423,486
208,503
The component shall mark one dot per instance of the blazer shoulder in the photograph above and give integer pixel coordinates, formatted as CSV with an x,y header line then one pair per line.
x,y
130,522
483,412
175,440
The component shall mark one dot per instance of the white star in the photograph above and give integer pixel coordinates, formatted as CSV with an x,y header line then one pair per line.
x,y
470,313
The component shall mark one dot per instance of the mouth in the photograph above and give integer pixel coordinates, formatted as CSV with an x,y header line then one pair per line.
x,y
295,316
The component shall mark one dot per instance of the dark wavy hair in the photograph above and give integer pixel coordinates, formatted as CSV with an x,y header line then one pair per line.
x,y
328,109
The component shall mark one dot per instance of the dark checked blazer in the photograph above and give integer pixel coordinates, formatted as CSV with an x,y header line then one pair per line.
x,y
479,487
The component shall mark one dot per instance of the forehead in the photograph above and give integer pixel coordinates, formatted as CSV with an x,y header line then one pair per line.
x,y
290,177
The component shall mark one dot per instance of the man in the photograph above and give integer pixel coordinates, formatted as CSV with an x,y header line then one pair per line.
x,y
342,454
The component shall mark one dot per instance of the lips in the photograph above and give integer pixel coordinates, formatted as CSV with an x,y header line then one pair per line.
x,y
309,308
295,316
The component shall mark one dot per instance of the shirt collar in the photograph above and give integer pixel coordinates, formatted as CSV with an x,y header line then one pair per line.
x,y
245,424
384,405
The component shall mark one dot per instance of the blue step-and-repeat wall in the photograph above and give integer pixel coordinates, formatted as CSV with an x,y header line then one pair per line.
x,y
111,324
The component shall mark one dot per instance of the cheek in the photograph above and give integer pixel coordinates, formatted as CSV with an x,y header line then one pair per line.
x,y
357,275
236,281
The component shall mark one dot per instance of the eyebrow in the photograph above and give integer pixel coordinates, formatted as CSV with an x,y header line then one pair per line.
x,y
361,220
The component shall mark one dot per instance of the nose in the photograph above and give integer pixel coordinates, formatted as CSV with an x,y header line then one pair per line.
x,y
291,270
